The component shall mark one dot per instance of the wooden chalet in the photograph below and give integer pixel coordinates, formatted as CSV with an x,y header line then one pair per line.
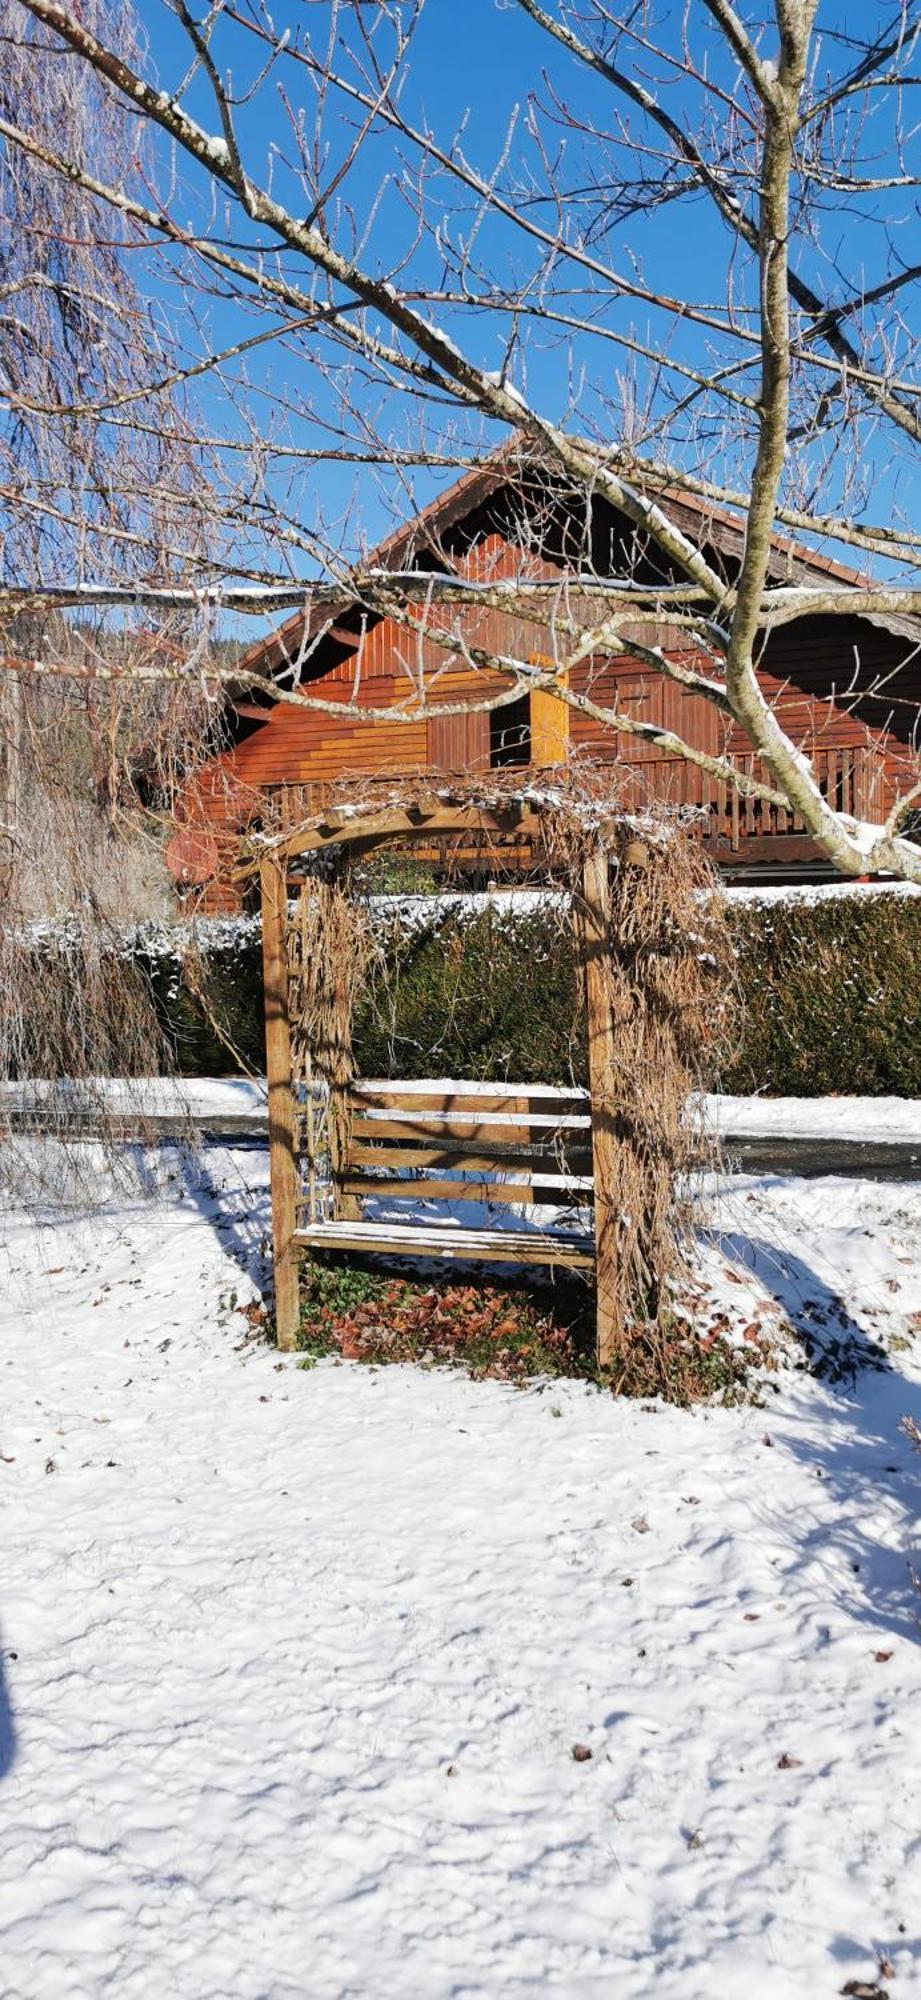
x,y
847,689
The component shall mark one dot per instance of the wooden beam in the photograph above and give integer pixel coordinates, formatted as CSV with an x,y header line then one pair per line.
x,y
424,806
282,1120
501,1194
449,1104
506,1127
494,1096
591,917
251,711
455,1157
396,822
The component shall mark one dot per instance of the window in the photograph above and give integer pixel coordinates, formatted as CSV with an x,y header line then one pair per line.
x,y
510,733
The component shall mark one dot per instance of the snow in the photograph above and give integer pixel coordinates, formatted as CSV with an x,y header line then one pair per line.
x,y
817,892
425,912
172,938
496,379
203,1099
212,1100
848,1120
864,834
295,1662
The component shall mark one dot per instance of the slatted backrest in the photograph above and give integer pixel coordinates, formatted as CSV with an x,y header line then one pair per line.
x,y
445,1141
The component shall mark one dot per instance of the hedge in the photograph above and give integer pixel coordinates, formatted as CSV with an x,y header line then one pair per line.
x,y
831,991
832,996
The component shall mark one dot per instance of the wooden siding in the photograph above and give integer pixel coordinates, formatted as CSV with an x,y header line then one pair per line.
x,y
458,742
300,745
820,675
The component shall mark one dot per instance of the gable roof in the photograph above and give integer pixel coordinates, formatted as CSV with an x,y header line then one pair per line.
x,y
724,530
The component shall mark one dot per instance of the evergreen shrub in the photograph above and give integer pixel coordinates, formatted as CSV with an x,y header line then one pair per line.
x,y
830,988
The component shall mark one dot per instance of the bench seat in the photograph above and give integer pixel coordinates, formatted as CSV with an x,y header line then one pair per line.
x,y
574,1250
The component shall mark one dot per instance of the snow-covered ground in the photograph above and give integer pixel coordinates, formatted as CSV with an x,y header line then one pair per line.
x,y
849,1121
294,1662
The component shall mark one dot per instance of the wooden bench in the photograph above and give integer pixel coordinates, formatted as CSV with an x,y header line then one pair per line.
x,y
442,1144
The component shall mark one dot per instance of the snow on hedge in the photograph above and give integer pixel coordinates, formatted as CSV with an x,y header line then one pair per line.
x,y
807,893
412,912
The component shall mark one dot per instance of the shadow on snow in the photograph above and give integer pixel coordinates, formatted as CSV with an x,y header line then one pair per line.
x,y
852,1441
7,1731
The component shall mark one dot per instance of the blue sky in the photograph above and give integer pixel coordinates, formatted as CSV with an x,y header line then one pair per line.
x,y
472,64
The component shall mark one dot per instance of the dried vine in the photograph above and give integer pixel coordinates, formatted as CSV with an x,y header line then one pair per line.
x,y
329,954
669,973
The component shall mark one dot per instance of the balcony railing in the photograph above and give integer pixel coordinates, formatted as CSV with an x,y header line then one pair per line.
x,y
852,779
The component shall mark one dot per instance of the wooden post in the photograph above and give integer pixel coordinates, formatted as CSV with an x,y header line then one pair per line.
x,y
592,932
346,1207
311,1124
282,1149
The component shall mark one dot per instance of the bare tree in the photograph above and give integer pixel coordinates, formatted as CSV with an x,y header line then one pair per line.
x,y
79,338
420,300
88,749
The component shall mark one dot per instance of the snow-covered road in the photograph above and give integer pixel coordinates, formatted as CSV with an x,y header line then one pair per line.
x,y
294,1663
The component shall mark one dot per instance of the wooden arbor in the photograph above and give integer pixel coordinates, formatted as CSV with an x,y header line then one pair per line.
x,y
515,821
